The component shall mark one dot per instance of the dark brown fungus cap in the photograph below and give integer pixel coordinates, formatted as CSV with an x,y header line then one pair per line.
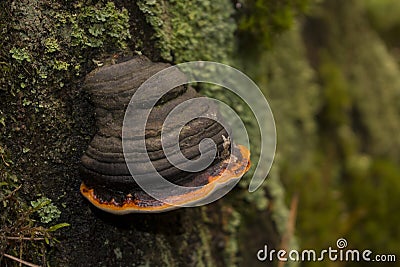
x,y
106,180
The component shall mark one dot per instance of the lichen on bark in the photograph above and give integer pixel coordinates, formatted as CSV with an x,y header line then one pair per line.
x,y
186,30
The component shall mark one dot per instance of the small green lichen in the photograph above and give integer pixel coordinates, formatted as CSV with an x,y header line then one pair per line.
x,y
46,210
65,38
203,254
19,232
167,258
96,26
118,253
231,228
60,65
258,199
20,54
51,45
185,31
2,119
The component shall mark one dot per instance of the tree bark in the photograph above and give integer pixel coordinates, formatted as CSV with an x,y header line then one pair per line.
x,y
48,124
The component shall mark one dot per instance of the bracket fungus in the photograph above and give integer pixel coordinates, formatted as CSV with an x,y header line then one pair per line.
x,y
108,183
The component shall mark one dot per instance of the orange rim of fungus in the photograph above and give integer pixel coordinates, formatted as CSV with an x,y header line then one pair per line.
x,y
239,168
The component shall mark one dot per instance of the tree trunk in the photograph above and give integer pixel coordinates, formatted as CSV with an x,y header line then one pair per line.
x,y
46,49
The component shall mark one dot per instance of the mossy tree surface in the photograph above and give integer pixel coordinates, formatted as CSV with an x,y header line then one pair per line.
x,y
336,105
354,192
47,121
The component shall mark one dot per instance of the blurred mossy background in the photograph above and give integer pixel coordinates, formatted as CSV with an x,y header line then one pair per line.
x,y
329,69
332,77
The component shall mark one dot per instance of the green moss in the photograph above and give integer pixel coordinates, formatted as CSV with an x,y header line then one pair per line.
x,y
351,181
260,21
97,26
46,210
233,220
365,145
65,39
185,30
336,94
40,53
51,45
60,65
370,81
20,234
20,54
167,258
203,253
40,57
372,199
287,80
384,17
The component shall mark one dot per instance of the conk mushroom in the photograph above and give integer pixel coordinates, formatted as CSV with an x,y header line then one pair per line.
x,y
107,181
